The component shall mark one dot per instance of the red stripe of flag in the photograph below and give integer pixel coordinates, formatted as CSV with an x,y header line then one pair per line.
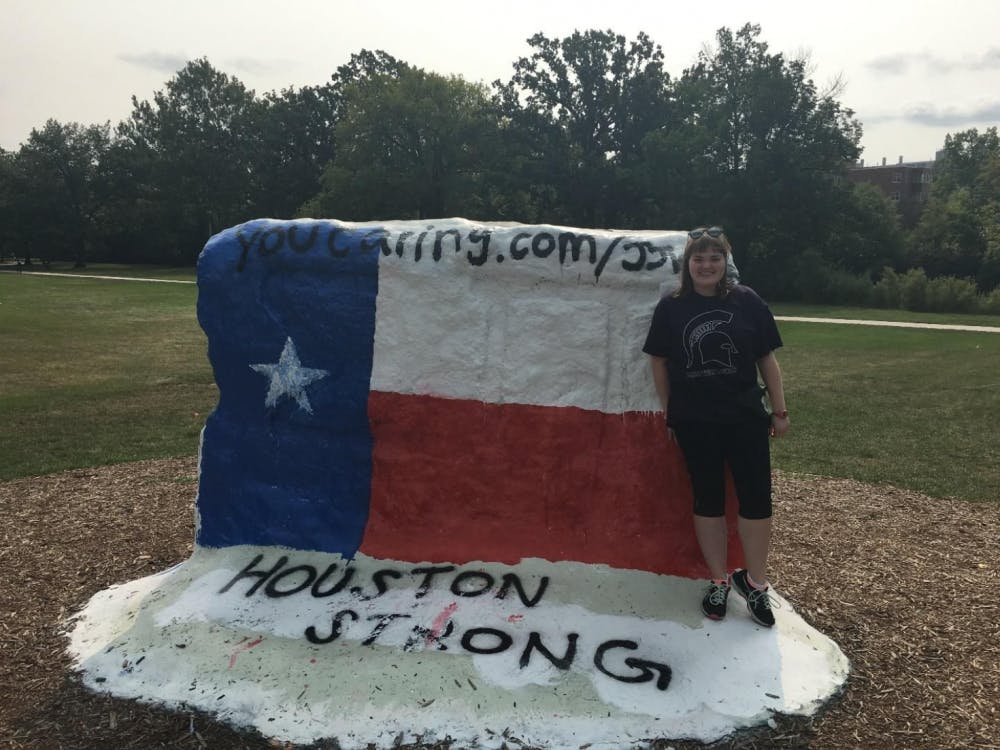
x,y
458,481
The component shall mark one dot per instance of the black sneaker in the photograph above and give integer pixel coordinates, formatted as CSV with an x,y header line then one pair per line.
x,y
714,602
758,600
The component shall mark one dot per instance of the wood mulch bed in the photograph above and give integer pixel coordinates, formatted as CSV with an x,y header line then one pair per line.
x,y
906,584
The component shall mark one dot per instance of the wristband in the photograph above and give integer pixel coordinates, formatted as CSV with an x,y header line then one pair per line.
x,y
783,414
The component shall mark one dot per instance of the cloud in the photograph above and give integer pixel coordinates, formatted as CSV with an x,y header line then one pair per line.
x,y
935,116
891,64
165,62
258,66
902,62
162,62
928,114
990,60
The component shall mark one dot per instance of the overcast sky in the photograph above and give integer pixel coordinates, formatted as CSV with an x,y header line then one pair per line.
x,y
914,71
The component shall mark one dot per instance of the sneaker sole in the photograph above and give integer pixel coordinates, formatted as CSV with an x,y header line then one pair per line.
x,y
759,622
753,617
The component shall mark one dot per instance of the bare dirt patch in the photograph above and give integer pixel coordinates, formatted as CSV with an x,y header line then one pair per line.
x,y
906,584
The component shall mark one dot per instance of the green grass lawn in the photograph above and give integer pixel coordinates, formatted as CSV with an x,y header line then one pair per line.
x,y
96,372
913,408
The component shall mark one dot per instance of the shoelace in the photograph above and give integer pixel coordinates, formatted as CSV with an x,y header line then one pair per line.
x,y
762,596
718,594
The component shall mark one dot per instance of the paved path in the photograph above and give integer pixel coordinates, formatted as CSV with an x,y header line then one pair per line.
x,y
891,324
90,276
793,319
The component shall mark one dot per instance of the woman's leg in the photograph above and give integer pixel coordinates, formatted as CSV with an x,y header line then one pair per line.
x,y
749,455
713,540
704,457
755,534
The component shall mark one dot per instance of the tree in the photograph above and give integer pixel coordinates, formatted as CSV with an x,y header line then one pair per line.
x,y
364,66
867,235
771,146
294,142
8,212
958,233
988,184
297,133
963,157
407,146
948,239
57,188
192,151
587,102
12,224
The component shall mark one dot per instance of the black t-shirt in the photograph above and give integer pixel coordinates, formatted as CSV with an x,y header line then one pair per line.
x,y
712,345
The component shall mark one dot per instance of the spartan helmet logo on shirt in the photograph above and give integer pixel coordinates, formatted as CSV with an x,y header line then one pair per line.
x,y
707,344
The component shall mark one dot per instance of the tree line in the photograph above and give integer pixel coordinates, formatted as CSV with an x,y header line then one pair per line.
x,y
590,130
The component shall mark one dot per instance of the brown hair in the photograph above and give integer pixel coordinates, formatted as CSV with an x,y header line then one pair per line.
x,y
705,242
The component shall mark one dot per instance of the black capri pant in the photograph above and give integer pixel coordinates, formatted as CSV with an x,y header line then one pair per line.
x,y
745,447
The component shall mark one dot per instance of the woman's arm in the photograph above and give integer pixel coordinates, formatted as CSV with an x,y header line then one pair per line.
x,y
661,378
769,370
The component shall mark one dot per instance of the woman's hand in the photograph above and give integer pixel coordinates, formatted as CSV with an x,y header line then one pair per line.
x,y
771,373
779,425
670,430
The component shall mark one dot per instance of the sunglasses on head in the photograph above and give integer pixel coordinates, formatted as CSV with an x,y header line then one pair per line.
x,y
711,232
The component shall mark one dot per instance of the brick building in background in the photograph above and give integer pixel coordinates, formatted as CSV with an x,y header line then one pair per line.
x,y
908,184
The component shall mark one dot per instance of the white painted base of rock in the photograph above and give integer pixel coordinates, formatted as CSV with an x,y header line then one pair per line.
x,y
174,638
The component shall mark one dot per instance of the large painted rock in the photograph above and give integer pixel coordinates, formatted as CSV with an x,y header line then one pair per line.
x,y
436,500
441,391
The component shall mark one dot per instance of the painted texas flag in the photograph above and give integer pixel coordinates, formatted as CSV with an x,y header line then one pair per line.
x,y
440,391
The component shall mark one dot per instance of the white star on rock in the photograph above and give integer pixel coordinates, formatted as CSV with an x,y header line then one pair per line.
x,y
289,378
